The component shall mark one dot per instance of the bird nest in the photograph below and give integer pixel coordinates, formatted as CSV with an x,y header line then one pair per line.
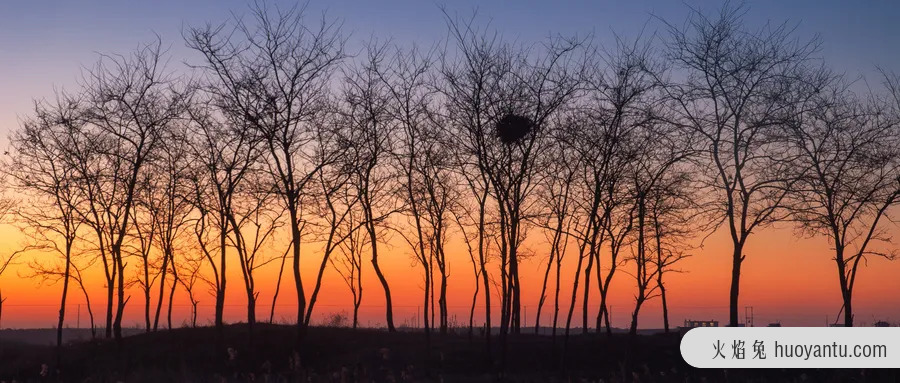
x,y
513,128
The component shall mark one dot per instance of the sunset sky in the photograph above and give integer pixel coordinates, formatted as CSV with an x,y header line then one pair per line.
x,y
44,45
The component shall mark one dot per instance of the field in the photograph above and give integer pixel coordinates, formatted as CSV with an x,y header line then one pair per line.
x,y
347,355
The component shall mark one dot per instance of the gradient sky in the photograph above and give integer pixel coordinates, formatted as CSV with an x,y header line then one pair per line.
x,y
44,45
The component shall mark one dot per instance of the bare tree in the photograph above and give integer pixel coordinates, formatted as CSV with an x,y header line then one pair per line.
x,y
733,94
674,220
43,170
132,100
189,271
349,264
624,101
255,219
653,175
92,175
144,235
77,277
223,154
463,219
365,99
409,98
432,200
173,208
500,99
273,77
618,91
336,206
558,194
850,176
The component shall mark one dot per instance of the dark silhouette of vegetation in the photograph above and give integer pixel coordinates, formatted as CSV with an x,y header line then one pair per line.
x,y
276,145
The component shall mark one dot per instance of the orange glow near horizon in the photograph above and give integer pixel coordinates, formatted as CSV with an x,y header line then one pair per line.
x,y
784,279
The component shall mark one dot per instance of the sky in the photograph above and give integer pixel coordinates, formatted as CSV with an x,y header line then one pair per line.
x,y
45,44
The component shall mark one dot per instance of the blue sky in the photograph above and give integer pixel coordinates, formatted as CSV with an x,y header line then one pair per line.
x,y
43,44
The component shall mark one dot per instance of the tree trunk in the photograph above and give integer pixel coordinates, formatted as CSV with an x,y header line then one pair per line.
x,y
474,302
556,299
220,291
604,311
485,277
110,293
373,238
587,290
487,285
120,286
442,299
634,316
171,300
162,288
87,301
357,300
62,304
660,264
315,292
543,297
147,325
737,259
665,305
848,309
427,326
277,288
846,290
574,296
298,282
194,314
516,309
251,309
641,264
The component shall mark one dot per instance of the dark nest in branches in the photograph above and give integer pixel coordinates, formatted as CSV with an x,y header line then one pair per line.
x,y
513,127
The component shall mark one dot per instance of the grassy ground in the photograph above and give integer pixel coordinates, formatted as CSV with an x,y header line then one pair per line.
x,y
346,355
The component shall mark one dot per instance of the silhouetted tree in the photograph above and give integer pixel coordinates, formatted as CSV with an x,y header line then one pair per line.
x,y
501,99
223,153
336,208
365,99
349,264
131,101
849,158
172,202
273,78
653,174
732,95
189,272
144,235
255,218
409,106
557,195
42,168
674,218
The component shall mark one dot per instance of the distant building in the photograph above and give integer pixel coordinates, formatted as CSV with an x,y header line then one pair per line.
x,y
775,324
688,323
836,325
